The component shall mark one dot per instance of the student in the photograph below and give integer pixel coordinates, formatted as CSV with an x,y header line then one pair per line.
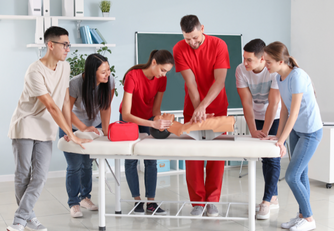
x,y
144,86
300,120
87,115
260,98
203,61
34,125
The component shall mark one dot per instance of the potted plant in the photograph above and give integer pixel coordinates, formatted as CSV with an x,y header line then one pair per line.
x,y
105,8
77,63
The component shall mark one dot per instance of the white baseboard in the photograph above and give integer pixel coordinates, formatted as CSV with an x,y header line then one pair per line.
x,y
96,171
6,178
51,174
56,174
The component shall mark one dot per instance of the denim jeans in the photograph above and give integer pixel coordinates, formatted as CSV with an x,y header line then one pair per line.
x,y
303,146
271,167
78,175
150,175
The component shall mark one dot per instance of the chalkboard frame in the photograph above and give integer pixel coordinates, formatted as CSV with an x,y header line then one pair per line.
x,y
230,80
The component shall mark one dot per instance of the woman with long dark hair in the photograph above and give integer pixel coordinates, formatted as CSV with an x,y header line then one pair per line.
x,y
144,86
300,120
91,94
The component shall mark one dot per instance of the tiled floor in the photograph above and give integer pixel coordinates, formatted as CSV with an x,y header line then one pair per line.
x,y
52,210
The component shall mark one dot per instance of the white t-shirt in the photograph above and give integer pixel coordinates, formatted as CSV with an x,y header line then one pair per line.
x,y
259,85
31,119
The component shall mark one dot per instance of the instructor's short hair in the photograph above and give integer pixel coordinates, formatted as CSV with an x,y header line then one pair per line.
x,y
255,46
189,23
53,33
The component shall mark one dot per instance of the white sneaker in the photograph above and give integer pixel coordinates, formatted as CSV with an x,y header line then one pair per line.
x,y
292,222
263,213
76,211
88,204
273,205
35,225
17,227
303,225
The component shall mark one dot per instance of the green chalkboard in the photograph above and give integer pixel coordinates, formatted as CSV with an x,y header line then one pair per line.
x,y
174,96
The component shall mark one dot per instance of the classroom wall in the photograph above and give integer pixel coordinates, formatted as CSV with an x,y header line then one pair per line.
x,y
312,33
269,20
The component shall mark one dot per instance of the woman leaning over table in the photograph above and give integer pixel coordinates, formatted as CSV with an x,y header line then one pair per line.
x,y
300,120
91,94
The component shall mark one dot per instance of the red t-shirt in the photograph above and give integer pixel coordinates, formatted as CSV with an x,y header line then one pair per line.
x,y
143,92
212,54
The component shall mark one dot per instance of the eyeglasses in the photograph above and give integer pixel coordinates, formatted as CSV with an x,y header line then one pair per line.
x,y
66,45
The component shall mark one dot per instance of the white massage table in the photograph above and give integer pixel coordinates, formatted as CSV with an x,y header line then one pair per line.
x,y
174,148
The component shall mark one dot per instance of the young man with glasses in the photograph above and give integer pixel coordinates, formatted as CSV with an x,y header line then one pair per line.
x,y
203,61
34,125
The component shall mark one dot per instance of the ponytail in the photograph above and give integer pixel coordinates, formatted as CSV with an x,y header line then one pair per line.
x,y
160,56
279,52
292,62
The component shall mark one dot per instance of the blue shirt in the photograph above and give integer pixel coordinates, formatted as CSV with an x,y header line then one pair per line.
x,y
298,81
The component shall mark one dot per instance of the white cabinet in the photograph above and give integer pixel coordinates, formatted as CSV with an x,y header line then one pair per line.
x,y
321,166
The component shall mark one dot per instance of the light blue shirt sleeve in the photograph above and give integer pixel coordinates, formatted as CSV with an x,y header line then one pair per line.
x,y
298,83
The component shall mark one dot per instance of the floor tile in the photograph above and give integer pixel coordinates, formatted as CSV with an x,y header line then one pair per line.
x,y
3,225
52,209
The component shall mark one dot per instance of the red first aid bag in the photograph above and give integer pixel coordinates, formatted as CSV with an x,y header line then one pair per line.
x,y
123,131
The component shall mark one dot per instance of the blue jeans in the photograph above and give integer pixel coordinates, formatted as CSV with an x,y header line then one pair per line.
x,y
271,167
303,146
150,175
78,175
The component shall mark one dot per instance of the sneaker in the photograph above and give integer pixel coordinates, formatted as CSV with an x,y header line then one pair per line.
x,y
76,211
292,222
151,207
273,205
140,208
35,225
197,211
17,227
88,204
303,225
263,213
211,210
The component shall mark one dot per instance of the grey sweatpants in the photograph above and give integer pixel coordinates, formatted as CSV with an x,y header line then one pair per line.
x,y
32,160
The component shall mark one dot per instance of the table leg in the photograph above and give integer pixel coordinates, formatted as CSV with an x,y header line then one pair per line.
x,y
102,196
118,209
252,194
